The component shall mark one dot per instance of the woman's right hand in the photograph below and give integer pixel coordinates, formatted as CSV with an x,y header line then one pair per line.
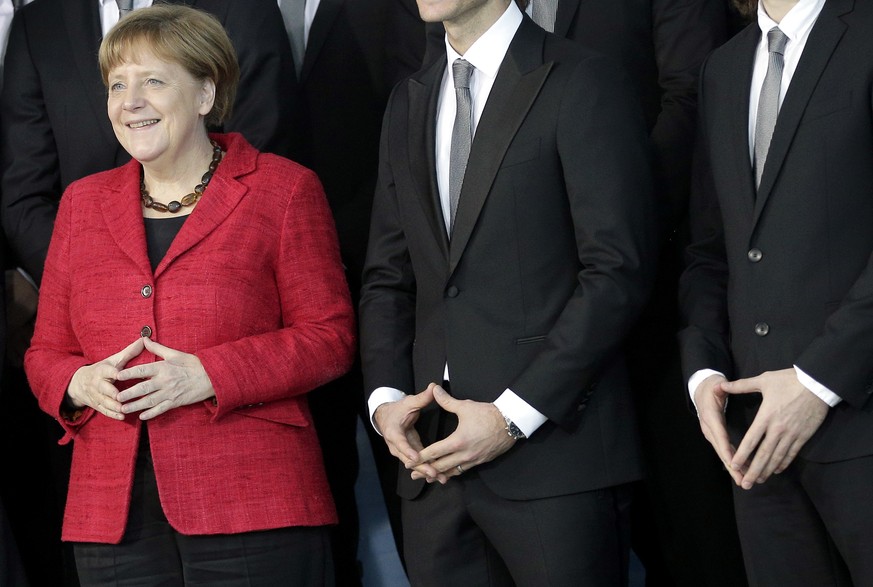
x,y
94,385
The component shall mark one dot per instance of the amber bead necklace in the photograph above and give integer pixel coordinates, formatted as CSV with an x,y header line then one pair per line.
x,y
191,198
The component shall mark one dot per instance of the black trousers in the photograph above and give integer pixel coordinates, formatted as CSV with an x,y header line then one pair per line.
x,y
153,554
462,533
811,526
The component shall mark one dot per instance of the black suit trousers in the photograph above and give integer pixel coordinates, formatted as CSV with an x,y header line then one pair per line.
x,y
475,537
809,526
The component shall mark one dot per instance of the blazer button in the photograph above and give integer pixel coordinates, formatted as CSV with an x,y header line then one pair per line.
x,y
762,329
581,407
755,255
146,291
453,291
146,332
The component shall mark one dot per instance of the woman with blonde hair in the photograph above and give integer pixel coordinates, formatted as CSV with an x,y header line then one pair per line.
x,y
191,298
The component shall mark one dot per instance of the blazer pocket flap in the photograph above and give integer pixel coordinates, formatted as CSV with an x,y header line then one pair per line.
x,y
521,152
824,105
530,339
288,412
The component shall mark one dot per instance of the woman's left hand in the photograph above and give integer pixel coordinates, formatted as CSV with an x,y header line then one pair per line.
x,y
178,380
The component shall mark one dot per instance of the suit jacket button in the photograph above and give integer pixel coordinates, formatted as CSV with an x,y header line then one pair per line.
x,y
580,407
146,291
762,329
146,332
755,255
452,292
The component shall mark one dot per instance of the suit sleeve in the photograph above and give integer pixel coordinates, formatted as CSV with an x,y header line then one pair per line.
x,y
684,33
31,181
388,296
606,163
317,342
704,338
267,106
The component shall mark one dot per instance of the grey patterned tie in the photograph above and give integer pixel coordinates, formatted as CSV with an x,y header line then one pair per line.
x,y
543,13
294,16
462,134
768,103
124,8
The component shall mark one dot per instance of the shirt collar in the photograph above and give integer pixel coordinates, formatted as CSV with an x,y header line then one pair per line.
x,y
796,23
487,52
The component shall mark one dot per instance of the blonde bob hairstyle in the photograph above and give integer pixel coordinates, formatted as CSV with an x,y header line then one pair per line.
x,y
177,34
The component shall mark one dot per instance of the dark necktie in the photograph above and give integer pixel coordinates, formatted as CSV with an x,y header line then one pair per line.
x,y
294,16
768,103
543,13
16,4
462,134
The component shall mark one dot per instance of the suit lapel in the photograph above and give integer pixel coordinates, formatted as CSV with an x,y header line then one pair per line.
x,y
518,82
82,24
321,25
825,35
423,94
741,73
565,16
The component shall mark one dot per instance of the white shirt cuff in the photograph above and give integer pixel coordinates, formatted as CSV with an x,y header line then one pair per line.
x,y
695,380
382,395
522,414
823,393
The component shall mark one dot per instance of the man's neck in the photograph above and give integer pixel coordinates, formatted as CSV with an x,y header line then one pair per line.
x,y
777,9
466,30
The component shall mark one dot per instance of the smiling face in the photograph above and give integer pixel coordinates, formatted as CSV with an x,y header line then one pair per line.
x,y
157,109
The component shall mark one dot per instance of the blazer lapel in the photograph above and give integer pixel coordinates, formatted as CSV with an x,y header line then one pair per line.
x,y
82,24
423,93
565,16
321,25
219,200
123,214
825,35
519,80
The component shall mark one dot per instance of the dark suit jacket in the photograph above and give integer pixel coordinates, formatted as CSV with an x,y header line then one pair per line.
x,y
549,264
55,127
785,277
661,44
349,69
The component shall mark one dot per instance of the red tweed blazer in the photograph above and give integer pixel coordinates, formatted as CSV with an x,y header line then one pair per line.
x,y
254,286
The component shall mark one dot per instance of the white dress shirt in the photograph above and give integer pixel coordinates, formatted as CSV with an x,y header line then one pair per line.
x,y
486,55
796,25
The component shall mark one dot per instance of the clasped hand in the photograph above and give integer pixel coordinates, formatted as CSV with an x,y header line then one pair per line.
x,y
178,380
479,438
788,417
